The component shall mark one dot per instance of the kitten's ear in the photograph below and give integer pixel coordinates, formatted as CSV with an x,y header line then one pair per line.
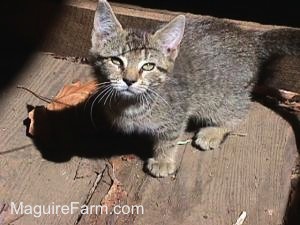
x,y
171,35
105,21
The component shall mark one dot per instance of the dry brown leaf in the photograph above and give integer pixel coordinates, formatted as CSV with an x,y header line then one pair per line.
x,y
130,157
116,192
288,95
31,125
115,195
70,95
286,99
290,100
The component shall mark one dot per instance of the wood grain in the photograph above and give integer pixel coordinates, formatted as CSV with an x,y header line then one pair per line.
x,y
24,175
249,174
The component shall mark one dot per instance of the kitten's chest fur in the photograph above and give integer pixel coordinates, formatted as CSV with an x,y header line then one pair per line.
x,y
135,118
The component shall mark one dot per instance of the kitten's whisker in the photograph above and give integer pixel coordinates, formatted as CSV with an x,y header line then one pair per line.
x,y
105,93
111,97
92,95
109,94
147,103
154,92
147,95
144,103
103,83
143,96
140,100
91,112
87,101
116,94
92,106
104,90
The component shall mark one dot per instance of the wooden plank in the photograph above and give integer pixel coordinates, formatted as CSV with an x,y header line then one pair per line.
x,y
24,175
77,18
127,10
71,37
249,174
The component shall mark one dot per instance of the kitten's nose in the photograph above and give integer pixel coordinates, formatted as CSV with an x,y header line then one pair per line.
x,y
129,82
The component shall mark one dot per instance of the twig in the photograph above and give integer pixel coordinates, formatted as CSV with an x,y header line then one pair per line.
x,y
5,216
241,218
15,149
238,134
184,142
45,99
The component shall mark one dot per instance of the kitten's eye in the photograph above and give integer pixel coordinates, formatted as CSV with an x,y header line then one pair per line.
x,y
148,66
117,61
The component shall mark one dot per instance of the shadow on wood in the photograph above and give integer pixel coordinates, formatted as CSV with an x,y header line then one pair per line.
x,y
292,216
60,135
292,211
24,25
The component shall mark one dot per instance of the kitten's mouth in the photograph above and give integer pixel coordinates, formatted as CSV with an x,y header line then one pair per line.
x,y
131,91
127,92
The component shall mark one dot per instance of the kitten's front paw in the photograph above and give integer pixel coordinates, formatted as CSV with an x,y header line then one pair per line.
x,y
160,167
210,138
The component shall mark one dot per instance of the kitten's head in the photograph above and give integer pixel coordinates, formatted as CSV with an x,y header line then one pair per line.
x,y
133,62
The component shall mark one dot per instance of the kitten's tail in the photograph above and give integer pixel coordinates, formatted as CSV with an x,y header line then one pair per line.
x,y
281,42
281,56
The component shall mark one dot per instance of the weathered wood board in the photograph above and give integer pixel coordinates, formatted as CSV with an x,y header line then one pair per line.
x,y
24,175
70,36
249,173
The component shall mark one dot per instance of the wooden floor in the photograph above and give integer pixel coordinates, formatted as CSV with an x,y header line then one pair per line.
x,y
249,173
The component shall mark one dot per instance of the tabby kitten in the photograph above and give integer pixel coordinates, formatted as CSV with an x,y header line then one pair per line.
x,y
199,68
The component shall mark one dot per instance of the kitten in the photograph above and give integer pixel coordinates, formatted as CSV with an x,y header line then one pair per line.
x,y
199,68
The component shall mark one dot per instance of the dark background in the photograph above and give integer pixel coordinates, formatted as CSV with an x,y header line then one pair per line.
x,y
264,11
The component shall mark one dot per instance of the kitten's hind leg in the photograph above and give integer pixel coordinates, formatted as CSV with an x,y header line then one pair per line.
x,y
209,138
223,119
